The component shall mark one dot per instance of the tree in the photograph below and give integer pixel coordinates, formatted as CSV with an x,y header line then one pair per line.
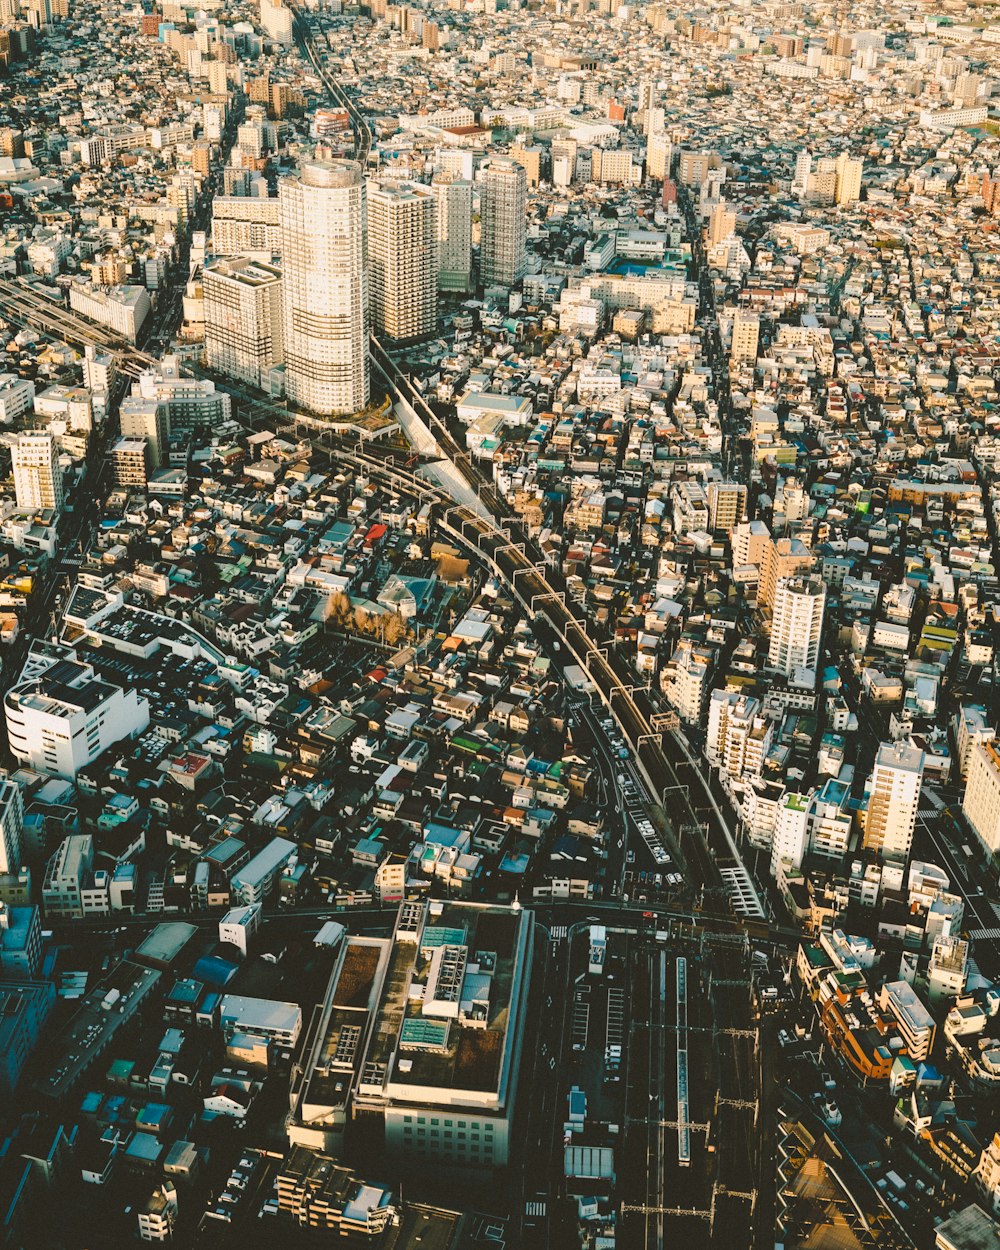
x,y
338,610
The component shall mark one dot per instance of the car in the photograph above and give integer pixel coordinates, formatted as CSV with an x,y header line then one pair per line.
x,y
630,857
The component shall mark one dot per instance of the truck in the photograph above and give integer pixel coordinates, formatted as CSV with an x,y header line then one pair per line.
x,y
896,1181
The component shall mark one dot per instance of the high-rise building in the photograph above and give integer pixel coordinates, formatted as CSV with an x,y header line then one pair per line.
x,y
504,202
783,557
659,153
11,825
243,329
148,419
37,477
454,231
746,333
981,802
190,401
803,168
324,252
402,259
727,503
797,623
848,185
892,800
721,224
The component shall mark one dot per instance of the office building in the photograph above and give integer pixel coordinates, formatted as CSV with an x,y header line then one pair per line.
x,y
243,319
148,420
894,793
424,1030
746,334
324,247
37,477
402,260
981,801
796,623
504,223
454,232
727,503
63,719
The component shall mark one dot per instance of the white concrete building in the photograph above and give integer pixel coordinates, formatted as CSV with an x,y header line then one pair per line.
x,y
63,719
796,624
324,252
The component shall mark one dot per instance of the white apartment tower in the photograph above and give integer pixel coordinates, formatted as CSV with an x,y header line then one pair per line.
x,y
37,476
402,260
727,502
848,184
746,333
504,205
892,801
659,152
324,252
796,623
454,231
243,327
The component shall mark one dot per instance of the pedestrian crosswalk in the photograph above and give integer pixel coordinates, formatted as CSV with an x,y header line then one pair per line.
x,y
559,932
985,935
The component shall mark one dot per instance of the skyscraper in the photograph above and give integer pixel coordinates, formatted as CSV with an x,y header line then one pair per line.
x,y
402,259
894,792
324,249
243,328
37,477
454,231
848,185
504,202
797,623
746,333
722,224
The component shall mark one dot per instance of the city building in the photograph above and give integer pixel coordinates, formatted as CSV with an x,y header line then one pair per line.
x,y
453,195
893,798
440,1069
324,260
981,800
503,210
797,623
402,259
243,319
38,481
148,419
65,717
25,1007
